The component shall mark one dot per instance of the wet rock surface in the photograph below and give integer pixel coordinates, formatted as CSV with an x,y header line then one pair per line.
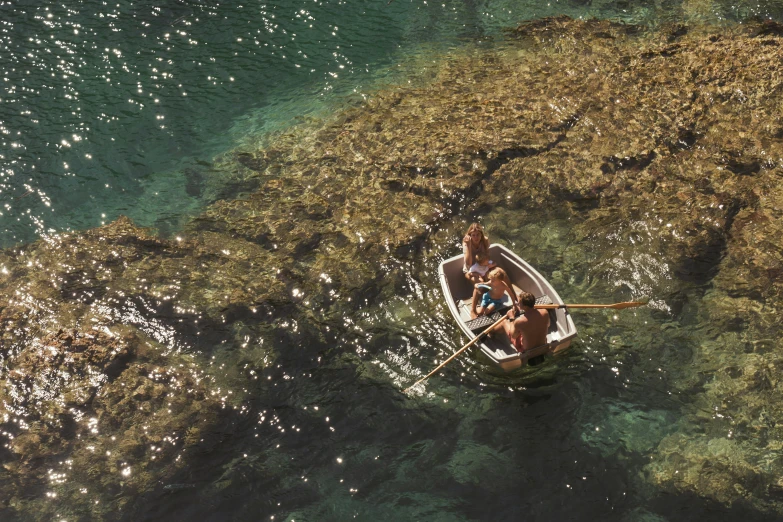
x,y
65,391
101,336
663,148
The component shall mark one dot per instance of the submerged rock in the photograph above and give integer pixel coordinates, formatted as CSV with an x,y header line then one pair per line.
x,y
662,148
102,390
470,463
626,429
94,417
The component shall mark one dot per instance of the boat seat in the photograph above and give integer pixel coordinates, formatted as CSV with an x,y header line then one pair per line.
x,y
479,324
552,335
544,299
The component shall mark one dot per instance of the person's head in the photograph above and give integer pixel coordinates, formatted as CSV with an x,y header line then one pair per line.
x,y
476,233
482,258
527,299
496,274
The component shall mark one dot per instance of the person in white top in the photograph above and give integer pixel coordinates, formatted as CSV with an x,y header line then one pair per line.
x,y
480,268
473,243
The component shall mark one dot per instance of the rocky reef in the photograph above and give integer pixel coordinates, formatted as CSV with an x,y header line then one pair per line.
x,y
101,332
663,147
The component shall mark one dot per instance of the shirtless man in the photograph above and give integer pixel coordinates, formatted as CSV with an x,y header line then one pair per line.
x,y
530,328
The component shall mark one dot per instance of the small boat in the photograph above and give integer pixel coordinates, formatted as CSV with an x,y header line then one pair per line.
x,y
498,348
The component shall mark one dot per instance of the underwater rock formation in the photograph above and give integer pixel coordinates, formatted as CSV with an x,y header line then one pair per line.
x,y
65,391
665,144
101,332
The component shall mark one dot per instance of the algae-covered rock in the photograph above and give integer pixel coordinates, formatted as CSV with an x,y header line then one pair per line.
x,y
661,149
720,466
100,387
94,417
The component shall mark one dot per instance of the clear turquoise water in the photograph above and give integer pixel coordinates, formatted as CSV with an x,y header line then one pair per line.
x,y
109,109
119,108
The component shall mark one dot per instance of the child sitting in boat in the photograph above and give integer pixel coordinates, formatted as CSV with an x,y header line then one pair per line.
x,y
478,270
493,297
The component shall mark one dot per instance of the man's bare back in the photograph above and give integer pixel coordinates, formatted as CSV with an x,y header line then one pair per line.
x,y
530,328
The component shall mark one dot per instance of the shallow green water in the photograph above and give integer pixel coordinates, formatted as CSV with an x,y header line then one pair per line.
x,y
562,441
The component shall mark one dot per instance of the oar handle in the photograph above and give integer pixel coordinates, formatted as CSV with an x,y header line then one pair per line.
x,y
455,354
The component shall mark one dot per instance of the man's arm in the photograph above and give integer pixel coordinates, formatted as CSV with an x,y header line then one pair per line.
x,y
545,313
517,326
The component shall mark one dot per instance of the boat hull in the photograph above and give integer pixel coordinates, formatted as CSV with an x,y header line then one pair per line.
x,y
498,349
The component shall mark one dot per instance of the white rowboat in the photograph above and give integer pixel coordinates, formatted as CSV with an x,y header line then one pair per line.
x,y
498,348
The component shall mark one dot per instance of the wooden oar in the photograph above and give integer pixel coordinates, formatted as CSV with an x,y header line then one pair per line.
x,y
616,306
455,354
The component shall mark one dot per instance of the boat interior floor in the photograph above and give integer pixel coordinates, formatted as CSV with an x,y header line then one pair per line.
x,y
500,344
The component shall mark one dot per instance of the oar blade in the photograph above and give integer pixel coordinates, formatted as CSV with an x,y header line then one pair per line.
x,y
616,306
631,304
455,354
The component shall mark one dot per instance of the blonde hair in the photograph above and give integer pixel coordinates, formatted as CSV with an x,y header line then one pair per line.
x,y
497,273
482,256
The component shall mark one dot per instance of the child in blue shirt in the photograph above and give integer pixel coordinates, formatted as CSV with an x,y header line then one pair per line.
x,y
493,297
